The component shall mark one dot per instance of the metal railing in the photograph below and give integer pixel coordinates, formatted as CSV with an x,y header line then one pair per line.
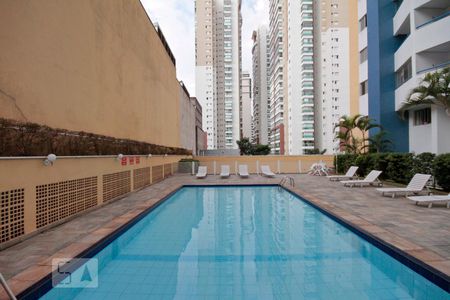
x,y
285,180
6,287
434,19
434,67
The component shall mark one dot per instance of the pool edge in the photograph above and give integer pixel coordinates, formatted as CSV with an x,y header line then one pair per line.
x,y
419,266
426,270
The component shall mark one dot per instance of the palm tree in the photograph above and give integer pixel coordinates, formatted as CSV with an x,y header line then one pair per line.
x,y
346,134
364,124
433,90
379,143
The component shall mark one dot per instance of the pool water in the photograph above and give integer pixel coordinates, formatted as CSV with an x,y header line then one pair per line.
x,y
246,243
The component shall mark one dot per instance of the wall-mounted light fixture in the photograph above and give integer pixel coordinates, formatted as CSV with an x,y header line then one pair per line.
x,y
51,158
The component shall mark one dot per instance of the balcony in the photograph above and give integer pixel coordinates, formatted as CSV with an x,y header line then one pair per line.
x,y
433,59
430,12
404,52
402,19
433,33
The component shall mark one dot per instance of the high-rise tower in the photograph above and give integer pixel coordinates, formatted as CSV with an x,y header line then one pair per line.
x,y
218,69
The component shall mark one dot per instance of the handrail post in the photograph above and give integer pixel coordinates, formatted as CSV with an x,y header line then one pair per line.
x,y
6,287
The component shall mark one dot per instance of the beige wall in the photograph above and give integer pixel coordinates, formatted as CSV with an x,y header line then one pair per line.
x,y
88,65
187,120
278,164
354,56
38,196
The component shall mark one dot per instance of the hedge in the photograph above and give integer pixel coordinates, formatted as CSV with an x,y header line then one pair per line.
x,y
30,139
441,166
399,167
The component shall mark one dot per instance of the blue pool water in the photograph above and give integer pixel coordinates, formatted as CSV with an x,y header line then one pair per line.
x,y
246,243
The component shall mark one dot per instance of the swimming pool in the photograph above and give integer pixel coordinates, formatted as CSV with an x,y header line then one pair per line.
x,y
254,242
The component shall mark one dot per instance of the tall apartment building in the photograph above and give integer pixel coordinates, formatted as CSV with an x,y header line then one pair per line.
x,y
400,42
313,72
336,68
424,28
377,46
261,86
276,110
301,77
218,69
245,106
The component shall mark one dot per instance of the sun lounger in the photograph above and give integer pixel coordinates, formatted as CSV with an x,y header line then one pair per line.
x,y
348,176
371,179
225,171
431,199
202,172
265,170
415,186
243,171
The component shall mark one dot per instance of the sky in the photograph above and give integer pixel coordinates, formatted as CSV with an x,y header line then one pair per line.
x,y
177,21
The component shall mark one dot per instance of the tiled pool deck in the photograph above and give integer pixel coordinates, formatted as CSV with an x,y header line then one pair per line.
x,y
420,232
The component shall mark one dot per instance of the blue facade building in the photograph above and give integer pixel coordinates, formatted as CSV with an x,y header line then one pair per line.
x,y
381,47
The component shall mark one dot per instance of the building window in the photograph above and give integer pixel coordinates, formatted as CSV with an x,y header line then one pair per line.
x,y
422,117
363,55
363,23
404,73
363,88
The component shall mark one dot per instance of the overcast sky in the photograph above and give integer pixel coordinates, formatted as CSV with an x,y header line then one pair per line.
x,y
177,21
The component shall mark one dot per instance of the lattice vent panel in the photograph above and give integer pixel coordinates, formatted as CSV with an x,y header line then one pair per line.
x,y
175,167
59,200
157,173
116,184
12,214
167,170
141,177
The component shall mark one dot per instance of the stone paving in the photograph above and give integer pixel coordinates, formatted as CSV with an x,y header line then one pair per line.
x,y
421,232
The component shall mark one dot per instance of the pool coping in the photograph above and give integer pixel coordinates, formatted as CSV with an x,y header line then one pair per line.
x,y
423,261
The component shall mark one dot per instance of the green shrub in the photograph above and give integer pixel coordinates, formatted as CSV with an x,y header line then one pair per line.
x,y
380,162
364,163
423,163
343,161
399,168
188,160
441,166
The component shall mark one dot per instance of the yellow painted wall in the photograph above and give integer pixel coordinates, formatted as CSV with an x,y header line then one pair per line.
x,y
287,164
30,173
88,65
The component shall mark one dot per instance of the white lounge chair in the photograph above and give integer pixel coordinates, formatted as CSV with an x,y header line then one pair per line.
x,y
371,179
415,186
349,175
202,172
225,171
265,170
243,171
431,199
